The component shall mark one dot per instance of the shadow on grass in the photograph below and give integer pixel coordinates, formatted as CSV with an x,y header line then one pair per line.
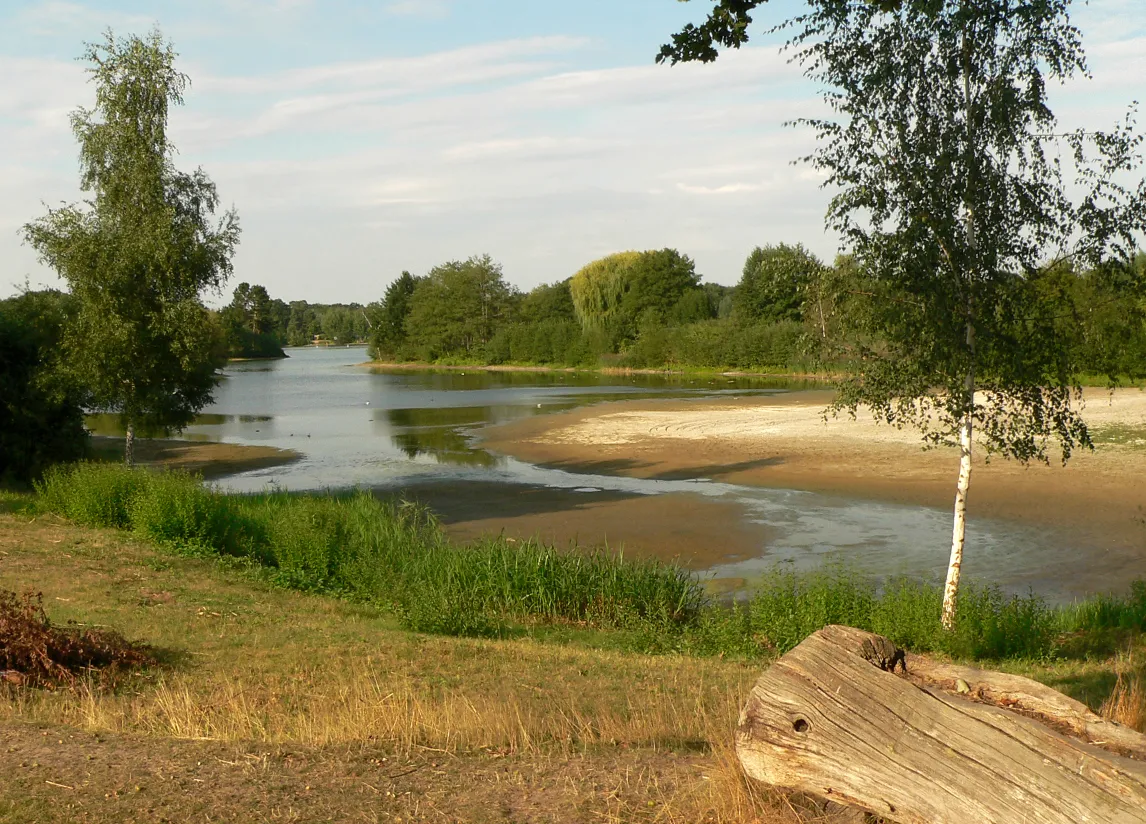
x,y
14,498
1091,688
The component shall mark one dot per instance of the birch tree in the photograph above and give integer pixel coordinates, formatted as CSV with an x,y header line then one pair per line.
x,y
958,195
139,252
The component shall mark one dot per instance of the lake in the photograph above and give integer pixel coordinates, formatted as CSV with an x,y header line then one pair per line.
x,y
406,430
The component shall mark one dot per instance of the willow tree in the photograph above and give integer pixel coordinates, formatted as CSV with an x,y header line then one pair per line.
x,y
944,156
599,288
141,250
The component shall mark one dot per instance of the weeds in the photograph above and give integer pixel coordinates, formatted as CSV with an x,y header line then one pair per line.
x,y
35,653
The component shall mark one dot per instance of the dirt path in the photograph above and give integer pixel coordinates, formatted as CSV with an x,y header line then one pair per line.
x,y
784,442
58,774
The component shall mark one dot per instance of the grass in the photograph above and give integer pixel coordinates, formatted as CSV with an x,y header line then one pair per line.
x,y
393,555
1120,435
323,696
277,701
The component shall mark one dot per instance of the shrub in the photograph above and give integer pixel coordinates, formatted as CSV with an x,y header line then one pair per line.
x,y
93,494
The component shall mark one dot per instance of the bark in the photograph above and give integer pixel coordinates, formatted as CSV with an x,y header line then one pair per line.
x,y
959,530
848,717
129,445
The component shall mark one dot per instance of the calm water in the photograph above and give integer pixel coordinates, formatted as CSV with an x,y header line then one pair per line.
x,y
361,428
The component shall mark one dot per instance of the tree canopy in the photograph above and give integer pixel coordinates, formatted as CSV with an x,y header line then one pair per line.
x,y
140,251
457,306
41,410
775,281
612,294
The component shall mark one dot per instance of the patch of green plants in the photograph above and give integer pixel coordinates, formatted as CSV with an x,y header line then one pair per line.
x,y
1120,435
394,554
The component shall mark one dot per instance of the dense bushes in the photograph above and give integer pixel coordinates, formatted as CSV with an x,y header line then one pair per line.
x,y
394,554
41,416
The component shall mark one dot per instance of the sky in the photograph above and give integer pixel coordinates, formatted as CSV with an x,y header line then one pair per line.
x,y
357,140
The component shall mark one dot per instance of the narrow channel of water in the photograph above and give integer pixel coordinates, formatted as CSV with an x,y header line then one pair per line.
x,y
356,427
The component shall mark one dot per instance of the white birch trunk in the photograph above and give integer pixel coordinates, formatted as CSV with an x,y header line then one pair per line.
x,y
129,445
959,529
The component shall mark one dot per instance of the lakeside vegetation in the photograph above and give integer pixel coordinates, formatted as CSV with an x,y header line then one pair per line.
x,y
393,556
652,310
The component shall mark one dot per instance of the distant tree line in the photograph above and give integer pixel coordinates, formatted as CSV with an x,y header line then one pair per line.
x,y
650,309
255,325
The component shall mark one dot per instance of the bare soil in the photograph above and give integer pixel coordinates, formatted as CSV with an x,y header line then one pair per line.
x,y
58,774
676,527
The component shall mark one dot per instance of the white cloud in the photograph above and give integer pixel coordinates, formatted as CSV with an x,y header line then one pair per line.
x,y
56,17
726,189
427,9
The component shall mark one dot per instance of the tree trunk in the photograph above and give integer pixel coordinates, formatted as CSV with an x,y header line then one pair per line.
x,y
959,530
129,445
937,744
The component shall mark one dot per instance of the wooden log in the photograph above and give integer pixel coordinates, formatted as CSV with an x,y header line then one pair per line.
x,y
935,744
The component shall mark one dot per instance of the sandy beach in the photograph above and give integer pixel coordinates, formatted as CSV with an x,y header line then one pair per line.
x,y
784,442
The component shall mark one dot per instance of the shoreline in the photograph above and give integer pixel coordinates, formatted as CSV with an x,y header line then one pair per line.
x,y
593,370
780,442
211,459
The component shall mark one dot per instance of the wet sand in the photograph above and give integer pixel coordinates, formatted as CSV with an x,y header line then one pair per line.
x,y
209,459
782,442
696,532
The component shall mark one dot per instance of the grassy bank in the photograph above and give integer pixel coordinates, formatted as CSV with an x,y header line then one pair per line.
x,y
392,555
273,703
279,705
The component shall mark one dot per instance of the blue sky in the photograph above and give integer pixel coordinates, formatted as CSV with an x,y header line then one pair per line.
x,y
357,140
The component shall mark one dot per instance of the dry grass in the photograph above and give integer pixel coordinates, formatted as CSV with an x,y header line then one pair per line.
x,y
1127,701
249,666
319,701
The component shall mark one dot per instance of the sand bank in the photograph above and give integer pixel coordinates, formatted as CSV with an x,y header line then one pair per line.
x,y
784,442
209,459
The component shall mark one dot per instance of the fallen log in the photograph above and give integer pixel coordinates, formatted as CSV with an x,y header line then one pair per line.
x,y
848,717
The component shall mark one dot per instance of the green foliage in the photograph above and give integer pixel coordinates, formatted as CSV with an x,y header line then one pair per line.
x,y
598,290
302,324
388,334
954,213
92,494
393,554
41,412
722,344
548,303
254,325
457,307
775,282
139,253
615,295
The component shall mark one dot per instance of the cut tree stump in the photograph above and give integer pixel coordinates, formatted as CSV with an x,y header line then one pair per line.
x,y
848,717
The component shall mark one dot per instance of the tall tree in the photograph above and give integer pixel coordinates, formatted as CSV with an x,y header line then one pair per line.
x,y
139,253
949,199
775,283
612,294
457,306
389,330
